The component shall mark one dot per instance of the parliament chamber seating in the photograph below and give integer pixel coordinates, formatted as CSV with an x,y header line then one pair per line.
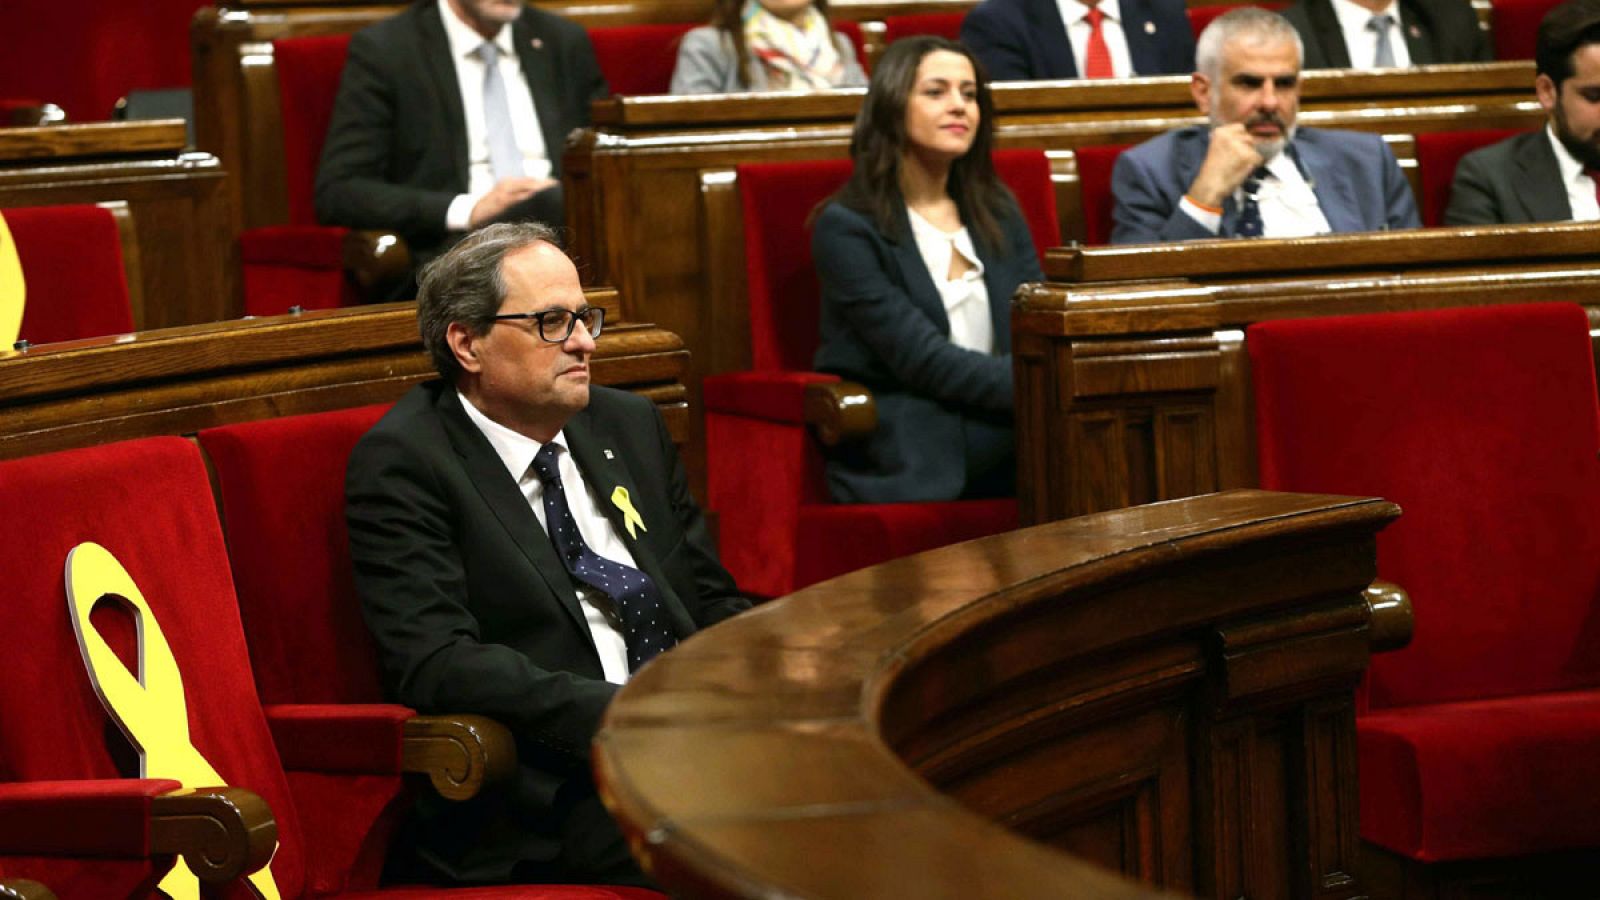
x,y
74,268
943,24
1514,26
1437,156
638,59
779,530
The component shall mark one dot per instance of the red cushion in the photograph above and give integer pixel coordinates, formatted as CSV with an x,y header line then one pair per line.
x,y
638,59
1483,779
833,539
1027,174
774,396
294,265
1094,189
943,24
1516,26
309,69
760,473
72,263
1438,152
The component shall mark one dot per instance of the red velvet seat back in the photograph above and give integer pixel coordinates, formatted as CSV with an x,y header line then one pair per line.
x,y
72,262
308,82
1481,423
943,24
1438,152
638,59
149,503
1094,189
1516,26
282,488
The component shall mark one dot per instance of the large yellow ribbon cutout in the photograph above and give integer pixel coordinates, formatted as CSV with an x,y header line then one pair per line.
x,y
150,709
13,291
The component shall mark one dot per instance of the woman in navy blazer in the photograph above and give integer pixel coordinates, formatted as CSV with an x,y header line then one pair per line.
x,y
918,256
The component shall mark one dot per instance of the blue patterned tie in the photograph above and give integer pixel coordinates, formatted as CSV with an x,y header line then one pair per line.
x,y
505,160
645,628
1249,224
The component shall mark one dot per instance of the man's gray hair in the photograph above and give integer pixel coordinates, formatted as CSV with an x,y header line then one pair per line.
x,y
1254,23
466,285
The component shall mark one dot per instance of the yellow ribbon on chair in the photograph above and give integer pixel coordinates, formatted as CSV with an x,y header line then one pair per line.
x,y
150,708
13,290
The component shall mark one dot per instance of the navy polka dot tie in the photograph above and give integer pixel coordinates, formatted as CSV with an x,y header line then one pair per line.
x,y
1250,224
645,628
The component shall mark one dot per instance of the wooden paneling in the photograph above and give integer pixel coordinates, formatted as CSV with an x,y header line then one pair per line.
x,y
1162,692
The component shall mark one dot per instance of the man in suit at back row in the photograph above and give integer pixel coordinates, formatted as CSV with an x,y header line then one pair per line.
x,y
1551,174
1038,40
1382,34
1251,171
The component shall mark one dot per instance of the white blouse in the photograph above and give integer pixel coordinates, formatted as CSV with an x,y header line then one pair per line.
x,y
966,297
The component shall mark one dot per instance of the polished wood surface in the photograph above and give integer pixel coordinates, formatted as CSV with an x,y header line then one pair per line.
x,y
1132,378
188,265
1163,693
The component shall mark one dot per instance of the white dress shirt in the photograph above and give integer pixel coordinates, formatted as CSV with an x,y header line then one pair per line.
x,y
464,43
1362,43
1580,187
965,297
1289,207
1074,17
517,452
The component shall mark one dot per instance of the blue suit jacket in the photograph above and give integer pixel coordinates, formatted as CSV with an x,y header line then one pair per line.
x,y
1025,40
1358,185
943,411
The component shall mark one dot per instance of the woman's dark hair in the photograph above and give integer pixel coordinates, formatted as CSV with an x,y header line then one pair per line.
x,y
879,141
728,15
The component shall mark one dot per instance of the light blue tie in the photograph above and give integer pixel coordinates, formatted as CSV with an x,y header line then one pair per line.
x,y
1384,57
504,157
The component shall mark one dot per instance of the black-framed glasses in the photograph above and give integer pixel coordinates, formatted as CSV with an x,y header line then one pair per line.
x,y
555,325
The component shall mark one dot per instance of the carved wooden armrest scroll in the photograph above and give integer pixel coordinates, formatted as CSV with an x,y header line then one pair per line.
x,y
377,260
1392,617
840,412
459,754
222,833
23,889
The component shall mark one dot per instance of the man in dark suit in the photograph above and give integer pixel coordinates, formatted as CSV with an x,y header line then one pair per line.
x,y
523,542
1252,172
434,133
1357,34
1549,175
1028,40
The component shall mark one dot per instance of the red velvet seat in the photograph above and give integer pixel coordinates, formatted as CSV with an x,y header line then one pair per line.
x,y
72,264
1516,26
1201,16
944,24
1482,738
638,59
779,530
1438,152
1094,189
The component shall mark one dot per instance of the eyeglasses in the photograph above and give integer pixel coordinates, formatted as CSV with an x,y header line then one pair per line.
x,y
555,325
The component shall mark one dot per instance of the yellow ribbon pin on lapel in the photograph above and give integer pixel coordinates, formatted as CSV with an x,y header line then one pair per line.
x,y
13,290
630,516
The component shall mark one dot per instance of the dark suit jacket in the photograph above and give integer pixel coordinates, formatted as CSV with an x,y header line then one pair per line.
x,y
1436,31
1025,40
396,151
944,412
1516,180
1358,185
473,612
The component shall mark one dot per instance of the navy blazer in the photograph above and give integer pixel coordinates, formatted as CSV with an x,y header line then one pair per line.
x,y
1025,40
396,150
944,412
1514,181
1357,182
472,611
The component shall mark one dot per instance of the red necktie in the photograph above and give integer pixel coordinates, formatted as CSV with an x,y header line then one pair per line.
x,y
1097,62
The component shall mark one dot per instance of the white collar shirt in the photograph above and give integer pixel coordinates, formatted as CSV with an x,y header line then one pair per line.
x,y
1362,43
1074,16
1289,206
517,451
464,44
965,297
1579,187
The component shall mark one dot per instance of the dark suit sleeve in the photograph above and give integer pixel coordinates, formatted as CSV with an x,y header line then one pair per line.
x,y
353,186
857,286
411,580
1400,204
993,37
1473,198
1145,212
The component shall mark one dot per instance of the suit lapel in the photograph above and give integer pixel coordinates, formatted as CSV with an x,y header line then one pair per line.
x,y
1328,35
1543,194
1417,29
1138,29
441,69
1051,34
1331,185
535,52
920,288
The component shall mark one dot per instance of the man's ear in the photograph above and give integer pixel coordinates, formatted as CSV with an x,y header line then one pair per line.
x,y
1545,89
1200,89
464,344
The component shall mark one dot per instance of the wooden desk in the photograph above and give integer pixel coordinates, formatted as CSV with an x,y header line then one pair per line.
x,y
177,201
1165,692
1132,376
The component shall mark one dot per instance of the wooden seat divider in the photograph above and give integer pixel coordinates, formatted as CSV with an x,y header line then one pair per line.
x,y
1132,377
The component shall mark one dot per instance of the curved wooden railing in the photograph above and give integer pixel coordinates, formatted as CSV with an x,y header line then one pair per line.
x,y
1163,691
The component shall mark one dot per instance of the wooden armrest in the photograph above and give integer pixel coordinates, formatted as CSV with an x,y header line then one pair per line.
x,y
459,754
31,117
222,833
840,411
1392,618
377,260
23,889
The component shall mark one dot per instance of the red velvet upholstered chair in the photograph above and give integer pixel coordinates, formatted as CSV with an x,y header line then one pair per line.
x,y
1482,738
943,24
1094,189
68,815
72,264
1438,152
779,529
1515,26
638,59
302,263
